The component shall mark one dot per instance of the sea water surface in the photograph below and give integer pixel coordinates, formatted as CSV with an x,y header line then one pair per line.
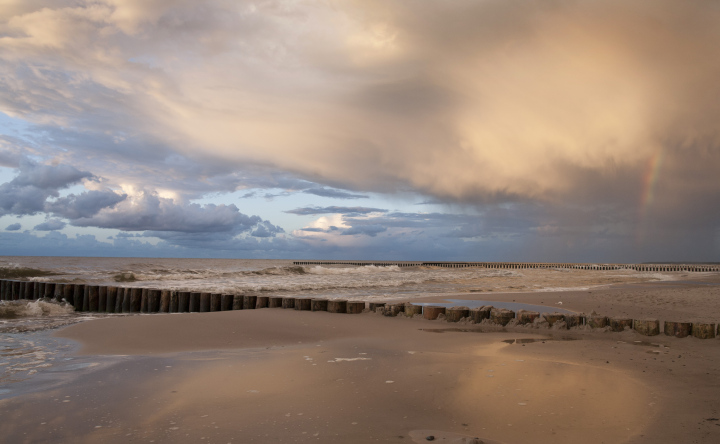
x,y
27,347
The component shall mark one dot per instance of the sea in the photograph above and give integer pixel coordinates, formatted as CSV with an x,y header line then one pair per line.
x,y
28,348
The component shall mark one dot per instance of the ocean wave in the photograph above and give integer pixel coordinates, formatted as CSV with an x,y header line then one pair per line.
x,y
12,271
37,308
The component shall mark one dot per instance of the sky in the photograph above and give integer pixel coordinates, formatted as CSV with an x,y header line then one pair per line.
x,y
487,130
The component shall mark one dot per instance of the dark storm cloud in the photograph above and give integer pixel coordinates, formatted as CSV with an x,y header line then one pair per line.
x,y
368,230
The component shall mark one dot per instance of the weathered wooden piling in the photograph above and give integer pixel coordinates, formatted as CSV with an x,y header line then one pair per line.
x,y
431,312
238,301
175,302
226,302
288,302
373,306
102,299
479,314
647,327
165,300
49,290
215,302
78,296
337,306
501,316
135,299
391,310
111,297
454,314
552,318
527,317
262,302
86,299
144,303
597,321
620,324
154,296
318,304
412,310
93,297
574,320
29,290
677,329
16,290
38,290
184,301
120,301
703,331
275,302
249,302
303,304
355,307
204,302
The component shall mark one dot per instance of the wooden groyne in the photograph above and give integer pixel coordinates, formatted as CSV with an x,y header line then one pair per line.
x,y
523,265
114,299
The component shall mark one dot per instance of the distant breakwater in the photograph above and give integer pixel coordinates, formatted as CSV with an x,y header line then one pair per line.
x,y
523,265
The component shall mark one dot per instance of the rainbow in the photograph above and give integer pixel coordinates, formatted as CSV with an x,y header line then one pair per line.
x,y
650,178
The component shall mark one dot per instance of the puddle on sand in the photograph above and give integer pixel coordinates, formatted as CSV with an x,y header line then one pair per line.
x,y
508,341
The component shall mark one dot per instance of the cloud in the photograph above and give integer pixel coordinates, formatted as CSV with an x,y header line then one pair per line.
x,y
368,230
336,194
50,225
581,117
13,227
85,205
305,211
28,191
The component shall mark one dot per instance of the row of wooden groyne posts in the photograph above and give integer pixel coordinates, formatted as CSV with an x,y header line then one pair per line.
x,y
111,299
524,265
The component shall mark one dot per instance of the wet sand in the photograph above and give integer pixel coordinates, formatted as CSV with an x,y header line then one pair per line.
x,y
276,375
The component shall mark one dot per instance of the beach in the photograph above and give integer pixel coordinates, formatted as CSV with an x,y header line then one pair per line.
x,y
278,375
288,376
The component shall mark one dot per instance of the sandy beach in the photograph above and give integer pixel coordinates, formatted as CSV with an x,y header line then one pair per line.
x,y
274,375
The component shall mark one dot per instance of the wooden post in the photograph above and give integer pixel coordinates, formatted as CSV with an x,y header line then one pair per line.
x,y
573,320
120,301
215,302
479,314
144,296
318,304
135,299
412,310
194,302
29,290
527,317
375,305
226,303
111,299
249,302
175,302
303,304
501,316
262,302
620,324
275,302
238,301
595,321
165,299
703,331
184,301
431,312
337,306
647,327
454,314
78,296
49,290
102,299
678,329
38,290
93,292
392,310
288,302
59,291
205,300
355,307
552,318
154,296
